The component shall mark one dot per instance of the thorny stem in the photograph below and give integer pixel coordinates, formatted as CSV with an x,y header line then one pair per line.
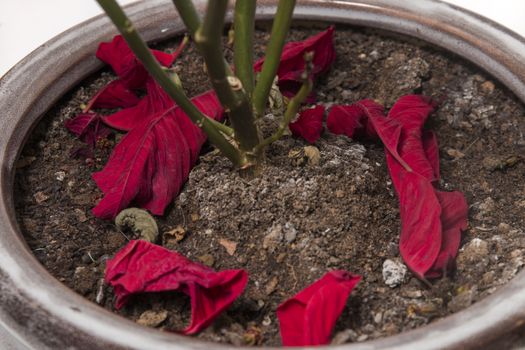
x,y
294,104
228,87
141,50
244,23
280,28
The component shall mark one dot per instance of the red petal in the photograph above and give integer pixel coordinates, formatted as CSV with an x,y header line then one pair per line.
x,y
309,317
292,60
309,124
142,267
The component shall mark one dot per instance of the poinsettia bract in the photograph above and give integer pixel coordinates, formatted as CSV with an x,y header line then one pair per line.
x,y
143,267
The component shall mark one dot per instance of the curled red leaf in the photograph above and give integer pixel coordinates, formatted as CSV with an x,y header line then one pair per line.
x,y
143,267
309,317
155,101
88,127
431,220
309,124
124,63
132,74
292,62
114,95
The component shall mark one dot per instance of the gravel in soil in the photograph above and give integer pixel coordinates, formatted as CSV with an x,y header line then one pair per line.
x,y
302,217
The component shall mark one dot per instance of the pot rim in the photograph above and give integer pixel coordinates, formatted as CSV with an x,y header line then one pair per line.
x,y
43,313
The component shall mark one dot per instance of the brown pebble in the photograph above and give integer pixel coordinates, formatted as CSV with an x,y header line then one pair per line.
x,y
271,285
207,259
177,234
152,318
454,153
40,197
487,87
230,246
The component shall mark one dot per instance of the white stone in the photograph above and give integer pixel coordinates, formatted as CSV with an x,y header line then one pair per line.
x,y
394,273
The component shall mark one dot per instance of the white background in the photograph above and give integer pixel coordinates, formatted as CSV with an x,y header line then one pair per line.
x,y
27,24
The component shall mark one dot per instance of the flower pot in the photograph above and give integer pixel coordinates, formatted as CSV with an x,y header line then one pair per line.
x,y
37,311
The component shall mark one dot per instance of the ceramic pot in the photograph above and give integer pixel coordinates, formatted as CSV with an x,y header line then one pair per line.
x,y
38,312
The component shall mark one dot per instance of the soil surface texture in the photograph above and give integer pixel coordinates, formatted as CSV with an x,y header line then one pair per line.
x,y
302,217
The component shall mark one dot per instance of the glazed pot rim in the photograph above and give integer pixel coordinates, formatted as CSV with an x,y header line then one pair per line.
x,y
43,313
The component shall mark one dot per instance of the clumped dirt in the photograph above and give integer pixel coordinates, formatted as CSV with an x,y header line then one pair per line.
x,y
299,220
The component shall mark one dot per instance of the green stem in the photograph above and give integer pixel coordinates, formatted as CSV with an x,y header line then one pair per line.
x,y
225,129
189,15
141,50
291,112
293,105
244,23
280,28
228,87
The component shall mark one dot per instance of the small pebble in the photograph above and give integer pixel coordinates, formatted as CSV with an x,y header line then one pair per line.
x,y
273,237
267,321
60,175
152,318
40,197
461,301
290,233
344,337
207,259
362,337
394,273
454,153
487,87
474,251
503,228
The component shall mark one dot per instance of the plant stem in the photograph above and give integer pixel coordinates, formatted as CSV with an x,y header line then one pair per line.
x,y
189,15
228,87
244,24
141,50
280,28
291,112
225,129
294,104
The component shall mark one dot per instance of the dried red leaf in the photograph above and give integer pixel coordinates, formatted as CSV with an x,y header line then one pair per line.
x,y
114,95
309,124
292,62
156,100
132,74
143,267
454,213
124,63
366,118
153,160
89,128
309,317
431,220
